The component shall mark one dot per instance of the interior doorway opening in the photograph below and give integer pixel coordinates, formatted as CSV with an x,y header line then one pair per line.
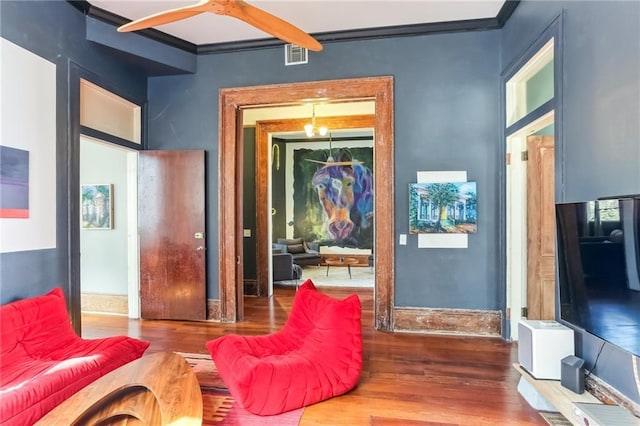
x,y
531,98
109,221
233,102
355,119
530,199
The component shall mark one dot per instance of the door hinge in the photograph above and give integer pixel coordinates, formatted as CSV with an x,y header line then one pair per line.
x,y
508,158
524,156
524,312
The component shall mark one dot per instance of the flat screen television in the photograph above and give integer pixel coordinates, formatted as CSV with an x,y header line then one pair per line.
x,y
598,255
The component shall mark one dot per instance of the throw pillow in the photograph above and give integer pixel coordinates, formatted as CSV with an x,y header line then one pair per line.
x,y
295,248
290,241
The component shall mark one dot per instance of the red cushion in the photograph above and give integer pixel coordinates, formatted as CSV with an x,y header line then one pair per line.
x,y
315,356
44,361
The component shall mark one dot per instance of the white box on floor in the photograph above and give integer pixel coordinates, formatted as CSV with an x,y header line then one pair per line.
x,y
541,347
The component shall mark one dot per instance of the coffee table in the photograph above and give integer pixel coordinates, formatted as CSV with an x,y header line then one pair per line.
x,y
157,389
341,261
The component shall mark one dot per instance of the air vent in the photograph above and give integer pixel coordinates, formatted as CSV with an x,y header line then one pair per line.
x,y
295,55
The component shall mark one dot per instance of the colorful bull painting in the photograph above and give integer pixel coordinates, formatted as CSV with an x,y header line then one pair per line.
x,y
339,200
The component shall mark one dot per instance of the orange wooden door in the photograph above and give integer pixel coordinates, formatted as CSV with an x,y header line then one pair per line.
x,y
541,225
171,224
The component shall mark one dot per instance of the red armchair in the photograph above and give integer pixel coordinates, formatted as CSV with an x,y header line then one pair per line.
x,y
43,361
315,356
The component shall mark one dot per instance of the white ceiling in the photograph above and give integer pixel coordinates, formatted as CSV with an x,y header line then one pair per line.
x,y
312,16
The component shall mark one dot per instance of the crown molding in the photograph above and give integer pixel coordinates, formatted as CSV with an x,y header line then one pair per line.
x,y
506,11
359,34
327,37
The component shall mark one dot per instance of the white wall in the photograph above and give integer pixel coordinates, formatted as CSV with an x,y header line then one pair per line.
x,y
103,253
28,90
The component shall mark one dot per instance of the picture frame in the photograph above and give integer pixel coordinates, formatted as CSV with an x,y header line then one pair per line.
x,y
96,206
346,222
14,183
443,208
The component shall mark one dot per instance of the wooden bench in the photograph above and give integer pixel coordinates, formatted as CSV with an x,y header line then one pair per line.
x,y
157,389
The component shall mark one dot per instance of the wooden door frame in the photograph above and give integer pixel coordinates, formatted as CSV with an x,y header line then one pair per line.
x,y
263,213
231,103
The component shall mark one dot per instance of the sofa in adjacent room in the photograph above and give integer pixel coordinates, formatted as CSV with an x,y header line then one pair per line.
x,y
44,362
303,252
284,269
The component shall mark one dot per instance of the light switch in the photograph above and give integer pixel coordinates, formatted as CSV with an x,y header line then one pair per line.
x,y
403,239
247,233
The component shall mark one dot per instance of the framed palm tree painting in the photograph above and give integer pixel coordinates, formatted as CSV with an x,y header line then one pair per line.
x,y
447,207
97,206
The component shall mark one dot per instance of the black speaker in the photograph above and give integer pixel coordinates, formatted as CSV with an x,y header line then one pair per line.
x,y
572,373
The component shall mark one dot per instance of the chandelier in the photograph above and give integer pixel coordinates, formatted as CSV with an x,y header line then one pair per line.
x,y
310,128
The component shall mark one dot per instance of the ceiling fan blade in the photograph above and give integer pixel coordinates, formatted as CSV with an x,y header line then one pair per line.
x,y
270,24
335,163
343,163
162,18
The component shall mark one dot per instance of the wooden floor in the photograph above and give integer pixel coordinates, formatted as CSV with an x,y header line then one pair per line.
x,y
407,379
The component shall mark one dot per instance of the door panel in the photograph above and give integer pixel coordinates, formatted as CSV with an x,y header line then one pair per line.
x,y
541,225
171,224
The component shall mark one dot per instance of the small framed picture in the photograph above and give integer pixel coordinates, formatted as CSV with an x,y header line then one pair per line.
x,y
97,206
448,207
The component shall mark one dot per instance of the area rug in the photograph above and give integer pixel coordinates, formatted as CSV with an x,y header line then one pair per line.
x,y
219,407
338,276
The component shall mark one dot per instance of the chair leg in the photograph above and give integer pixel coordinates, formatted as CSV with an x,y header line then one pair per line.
x,y
297,274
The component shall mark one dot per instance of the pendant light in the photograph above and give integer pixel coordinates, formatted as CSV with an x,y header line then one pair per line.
x,y
310,128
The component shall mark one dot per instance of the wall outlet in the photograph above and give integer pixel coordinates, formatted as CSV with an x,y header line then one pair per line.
x,y
403,239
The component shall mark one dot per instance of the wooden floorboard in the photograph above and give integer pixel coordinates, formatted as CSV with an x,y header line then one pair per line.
x,y
407,379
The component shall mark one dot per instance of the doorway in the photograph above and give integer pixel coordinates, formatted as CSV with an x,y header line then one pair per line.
x,y
232,102
531,221
263,206
533,107
108,239
105,146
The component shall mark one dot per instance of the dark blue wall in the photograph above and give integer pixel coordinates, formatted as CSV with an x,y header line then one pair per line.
x,y
55,30
447,117
601,119
447,98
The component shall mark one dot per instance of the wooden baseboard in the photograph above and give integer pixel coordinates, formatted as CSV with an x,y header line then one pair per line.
x,y
466,322
213,309
105,303
426,320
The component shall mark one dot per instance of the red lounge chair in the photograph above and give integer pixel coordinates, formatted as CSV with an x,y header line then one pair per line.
x,y
315,356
